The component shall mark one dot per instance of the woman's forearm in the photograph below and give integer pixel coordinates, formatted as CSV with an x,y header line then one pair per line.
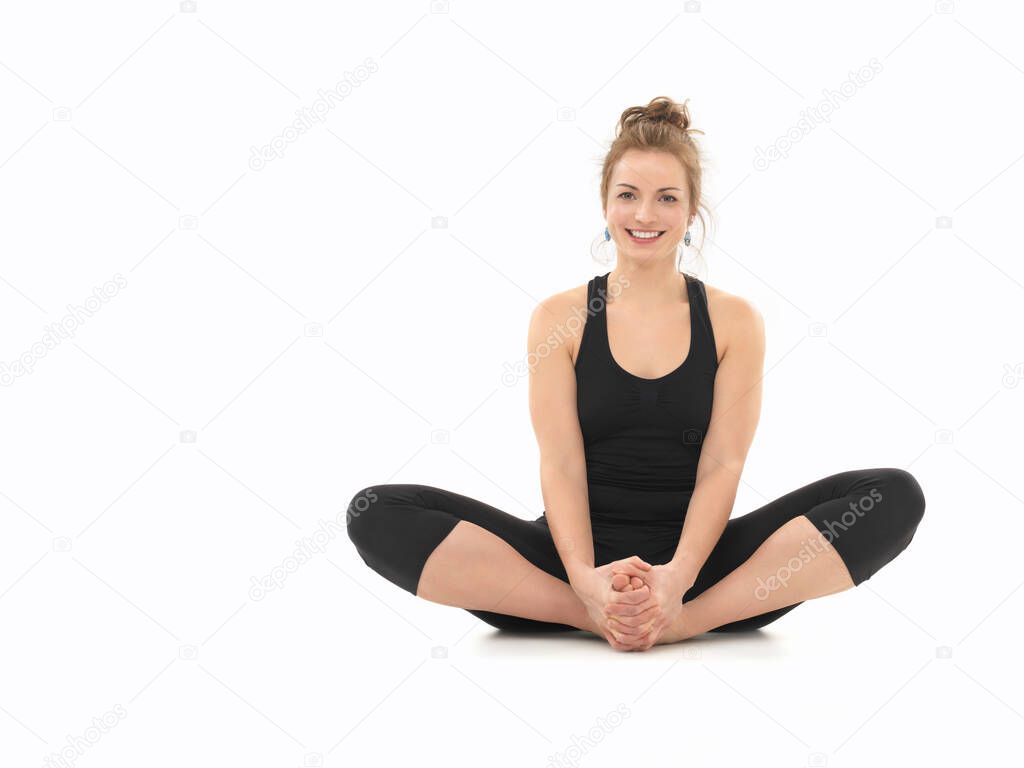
x,y
567,508
706,518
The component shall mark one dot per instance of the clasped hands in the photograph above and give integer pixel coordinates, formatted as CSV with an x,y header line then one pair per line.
x,y
632,602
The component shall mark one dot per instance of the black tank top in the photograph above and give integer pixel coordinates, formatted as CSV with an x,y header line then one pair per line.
x,y
642,437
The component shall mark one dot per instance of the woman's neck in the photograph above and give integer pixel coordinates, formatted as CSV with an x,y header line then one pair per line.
x,y
647,287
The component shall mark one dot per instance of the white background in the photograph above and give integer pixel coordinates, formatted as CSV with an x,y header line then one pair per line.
x,y
312,330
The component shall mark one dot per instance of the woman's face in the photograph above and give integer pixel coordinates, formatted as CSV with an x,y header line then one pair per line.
x,y
647,193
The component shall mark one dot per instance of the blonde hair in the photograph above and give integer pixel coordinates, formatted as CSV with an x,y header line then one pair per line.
x,y
662,125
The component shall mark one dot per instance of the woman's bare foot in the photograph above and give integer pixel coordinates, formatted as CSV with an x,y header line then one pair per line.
x,y
621,582
681,628
624,583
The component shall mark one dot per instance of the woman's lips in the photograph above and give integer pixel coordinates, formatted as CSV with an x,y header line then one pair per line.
x,y
642,240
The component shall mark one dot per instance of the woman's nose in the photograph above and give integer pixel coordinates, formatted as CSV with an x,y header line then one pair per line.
x,y
643,215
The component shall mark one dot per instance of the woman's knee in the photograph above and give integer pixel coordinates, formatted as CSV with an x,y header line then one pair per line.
x,y
885,507
905,497
395,517
365,518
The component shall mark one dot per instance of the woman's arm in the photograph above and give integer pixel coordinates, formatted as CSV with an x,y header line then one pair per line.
x,y
563,470
734,416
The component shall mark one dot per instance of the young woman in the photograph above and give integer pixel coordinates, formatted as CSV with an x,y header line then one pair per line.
x,y
644,417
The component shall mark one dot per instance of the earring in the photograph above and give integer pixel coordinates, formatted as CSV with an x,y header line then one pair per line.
x,y
600,247
686,238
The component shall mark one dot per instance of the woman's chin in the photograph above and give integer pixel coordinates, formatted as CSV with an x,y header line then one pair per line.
x,y
643,255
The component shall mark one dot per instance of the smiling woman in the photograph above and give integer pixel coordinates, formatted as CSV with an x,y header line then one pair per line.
x,y
626,181
641,454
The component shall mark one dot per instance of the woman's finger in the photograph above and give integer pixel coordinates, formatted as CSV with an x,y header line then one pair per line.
x,y
635,633
636,642
621,610
634,561
636,619
630,569
616,644
633,597
639,562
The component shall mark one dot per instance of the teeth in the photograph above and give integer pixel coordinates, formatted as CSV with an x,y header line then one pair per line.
x,y
643,234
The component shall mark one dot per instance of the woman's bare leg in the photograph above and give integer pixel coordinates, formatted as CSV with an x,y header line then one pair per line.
x,y
754,587
474,569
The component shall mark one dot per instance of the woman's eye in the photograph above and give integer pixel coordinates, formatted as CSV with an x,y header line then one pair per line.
x,y
671,197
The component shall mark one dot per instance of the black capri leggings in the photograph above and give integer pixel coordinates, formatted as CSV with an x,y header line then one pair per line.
x,y
868,515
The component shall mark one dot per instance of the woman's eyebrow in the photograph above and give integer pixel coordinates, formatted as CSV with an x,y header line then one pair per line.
x,y
623,184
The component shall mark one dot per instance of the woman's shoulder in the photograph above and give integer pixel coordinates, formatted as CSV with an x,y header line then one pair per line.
x,y
559,307
732,316
560,316
730,304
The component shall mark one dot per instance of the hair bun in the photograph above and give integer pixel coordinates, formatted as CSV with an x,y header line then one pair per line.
x,y
660,109
665,109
